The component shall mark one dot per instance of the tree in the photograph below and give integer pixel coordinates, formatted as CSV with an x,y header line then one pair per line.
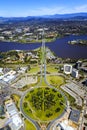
x,y
57,110
25,104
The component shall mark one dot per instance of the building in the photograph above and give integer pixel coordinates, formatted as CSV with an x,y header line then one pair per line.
x,y
74,115
84,69
18,30
1,71
49,54
1,38
14,121
75,73
22,69
78,64
1,110
67,69
8,77
11,109
64,126
84,82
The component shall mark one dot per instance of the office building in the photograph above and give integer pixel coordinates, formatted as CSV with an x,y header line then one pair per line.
x,y
14,121
74,115
75,73
67,69
78,64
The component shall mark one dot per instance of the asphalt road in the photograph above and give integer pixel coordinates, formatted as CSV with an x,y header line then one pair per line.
x,y
53,122
22,94
22,97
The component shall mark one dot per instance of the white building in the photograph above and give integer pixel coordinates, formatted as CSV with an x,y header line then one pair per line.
x,y
8,77
78,64
75,73
1,37
64,126
14,121
1,70
67,69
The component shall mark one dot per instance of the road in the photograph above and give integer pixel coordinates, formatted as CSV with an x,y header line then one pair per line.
x,y
43,72
26,116
22,97
22,94
52,122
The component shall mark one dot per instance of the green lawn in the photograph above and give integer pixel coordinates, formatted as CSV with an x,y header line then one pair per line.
x,y
43,84
70,98
43,104
29,125
56,80
52,69
34,69
16,99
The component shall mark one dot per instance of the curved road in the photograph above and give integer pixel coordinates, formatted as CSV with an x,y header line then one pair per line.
x,y
52,122
22,94
22,97
43,67
26,116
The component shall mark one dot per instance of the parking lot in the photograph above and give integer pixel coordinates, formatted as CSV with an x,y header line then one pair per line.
x,y
25,81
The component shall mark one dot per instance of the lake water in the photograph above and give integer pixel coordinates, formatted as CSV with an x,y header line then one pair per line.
x,y
60,47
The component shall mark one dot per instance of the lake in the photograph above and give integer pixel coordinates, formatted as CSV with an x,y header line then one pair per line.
x,y
60,47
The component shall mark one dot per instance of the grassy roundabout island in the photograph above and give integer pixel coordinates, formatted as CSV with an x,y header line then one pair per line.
x,y
43,104
56,80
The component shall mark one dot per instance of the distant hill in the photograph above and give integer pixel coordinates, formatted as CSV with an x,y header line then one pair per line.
x,y
73,16
62,16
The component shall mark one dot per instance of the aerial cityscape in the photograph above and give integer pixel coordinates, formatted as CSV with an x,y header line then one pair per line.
x,y
43,65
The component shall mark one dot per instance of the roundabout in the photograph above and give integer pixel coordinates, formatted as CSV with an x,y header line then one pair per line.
x,y
43,104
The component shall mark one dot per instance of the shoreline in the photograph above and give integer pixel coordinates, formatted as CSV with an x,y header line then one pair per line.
x,y
32,42
60,46
78,42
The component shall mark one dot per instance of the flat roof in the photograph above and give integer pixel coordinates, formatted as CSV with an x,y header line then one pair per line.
x,y
16,122
11,109
1,70
74,115
64,126
8,76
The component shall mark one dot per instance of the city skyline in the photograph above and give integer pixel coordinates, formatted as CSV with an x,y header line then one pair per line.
x,y
22,8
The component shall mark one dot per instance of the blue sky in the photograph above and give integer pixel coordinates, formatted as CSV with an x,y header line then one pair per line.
x,y
16,8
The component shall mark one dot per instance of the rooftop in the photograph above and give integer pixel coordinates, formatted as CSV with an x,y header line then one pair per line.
x,y
11,109
16,122
74,115
64,126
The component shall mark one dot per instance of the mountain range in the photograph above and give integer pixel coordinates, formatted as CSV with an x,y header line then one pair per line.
x,y
73,16
62,16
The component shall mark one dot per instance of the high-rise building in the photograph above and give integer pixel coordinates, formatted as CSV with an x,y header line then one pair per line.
x,y
67,69
78,64
75,73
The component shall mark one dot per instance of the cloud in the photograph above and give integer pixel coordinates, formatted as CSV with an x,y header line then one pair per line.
x,y
58,10
82,8
45,11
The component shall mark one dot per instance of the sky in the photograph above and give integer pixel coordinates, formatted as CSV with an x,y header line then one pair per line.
x,y
23,8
